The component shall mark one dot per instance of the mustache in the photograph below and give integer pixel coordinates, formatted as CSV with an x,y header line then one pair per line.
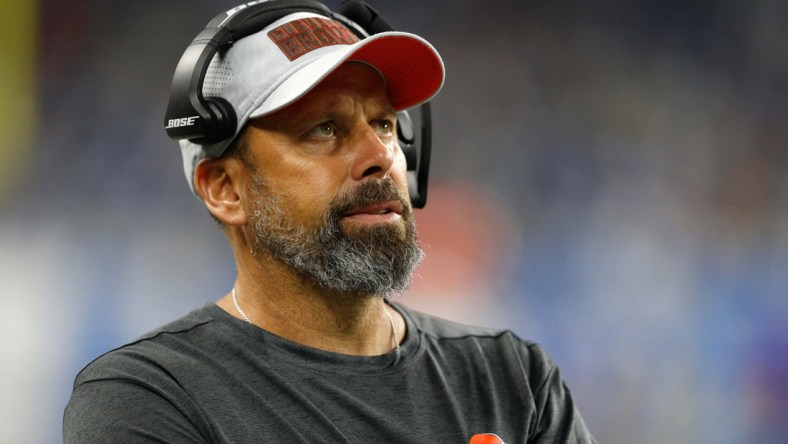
x,y
369,193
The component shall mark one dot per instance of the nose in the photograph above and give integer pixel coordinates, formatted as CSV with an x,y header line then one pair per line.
x,y
372,157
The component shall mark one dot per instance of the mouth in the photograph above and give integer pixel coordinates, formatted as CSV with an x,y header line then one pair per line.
x,y
389,211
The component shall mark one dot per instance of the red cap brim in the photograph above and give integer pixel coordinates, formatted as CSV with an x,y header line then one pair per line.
x,y
412,68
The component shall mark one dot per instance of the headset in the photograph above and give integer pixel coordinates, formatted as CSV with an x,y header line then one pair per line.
x,y
217,119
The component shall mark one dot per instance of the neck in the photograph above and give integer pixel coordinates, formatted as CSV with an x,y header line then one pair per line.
x,y
290,307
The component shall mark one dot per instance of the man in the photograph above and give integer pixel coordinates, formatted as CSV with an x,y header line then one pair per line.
x,y
312,195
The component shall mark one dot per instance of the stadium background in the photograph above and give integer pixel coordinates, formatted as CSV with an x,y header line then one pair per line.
x,y
609,179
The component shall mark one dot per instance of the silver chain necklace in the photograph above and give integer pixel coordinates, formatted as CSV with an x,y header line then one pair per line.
x,y
394,341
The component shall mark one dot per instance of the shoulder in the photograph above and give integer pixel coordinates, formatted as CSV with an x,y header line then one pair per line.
x,y
138,387
497,359
490,344
437,328
135,360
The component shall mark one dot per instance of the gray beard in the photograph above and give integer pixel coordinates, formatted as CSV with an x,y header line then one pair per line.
x,y
373,261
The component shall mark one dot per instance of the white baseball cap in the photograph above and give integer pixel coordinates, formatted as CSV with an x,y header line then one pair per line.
x,y
268,70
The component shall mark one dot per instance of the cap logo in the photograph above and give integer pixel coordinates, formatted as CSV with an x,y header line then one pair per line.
x,y
301,36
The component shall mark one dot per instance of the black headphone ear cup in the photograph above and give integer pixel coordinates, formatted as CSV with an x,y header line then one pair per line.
x,y
405,128
407,139
222,123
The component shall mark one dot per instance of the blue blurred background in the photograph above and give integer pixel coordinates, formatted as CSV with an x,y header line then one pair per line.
x,y
610,179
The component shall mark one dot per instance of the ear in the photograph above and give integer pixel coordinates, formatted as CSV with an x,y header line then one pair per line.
x,y
220,184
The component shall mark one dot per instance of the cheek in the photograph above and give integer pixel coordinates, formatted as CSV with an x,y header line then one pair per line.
x,y
307,189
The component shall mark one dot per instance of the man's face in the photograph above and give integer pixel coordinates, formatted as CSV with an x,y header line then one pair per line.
x,y
328,194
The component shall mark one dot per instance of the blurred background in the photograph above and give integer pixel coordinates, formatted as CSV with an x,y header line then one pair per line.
x,y
609,178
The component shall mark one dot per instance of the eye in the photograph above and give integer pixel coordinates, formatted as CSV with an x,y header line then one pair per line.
x,y
324,130
385,127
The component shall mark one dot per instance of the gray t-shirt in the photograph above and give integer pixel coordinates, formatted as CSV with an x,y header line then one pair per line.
x,y
209,377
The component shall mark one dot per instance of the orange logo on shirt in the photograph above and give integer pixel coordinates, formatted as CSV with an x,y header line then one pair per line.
x,y
486,438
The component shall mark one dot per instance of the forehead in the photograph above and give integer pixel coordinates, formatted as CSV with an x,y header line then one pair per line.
x,y
349,84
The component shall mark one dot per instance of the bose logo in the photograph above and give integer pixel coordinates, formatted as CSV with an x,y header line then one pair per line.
x,y
183,121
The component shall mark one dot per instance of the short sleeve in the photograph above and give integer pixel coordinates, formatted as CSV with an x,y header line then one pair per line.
x,y
102,411
557,417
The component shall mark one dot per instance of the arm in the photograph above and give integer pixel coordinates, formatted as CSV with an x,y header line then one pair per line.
x,y
558,419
